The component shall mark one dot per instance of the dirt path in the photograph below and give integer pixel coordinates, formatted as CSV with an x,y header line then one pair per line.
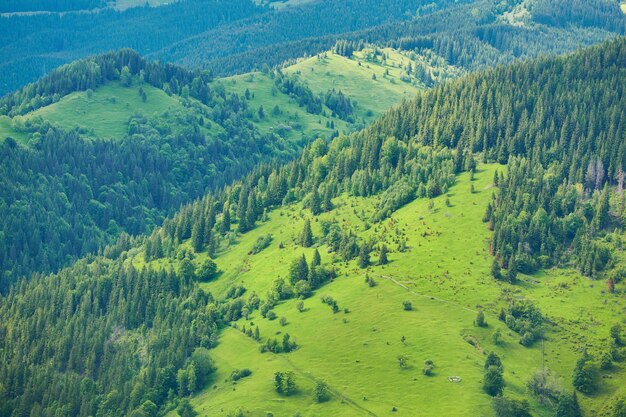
x,y
430,297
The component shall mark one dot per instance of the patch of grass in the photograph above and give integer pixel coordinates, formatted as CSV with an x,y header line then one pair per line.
x,y
444,274
354,77
106,110
8,128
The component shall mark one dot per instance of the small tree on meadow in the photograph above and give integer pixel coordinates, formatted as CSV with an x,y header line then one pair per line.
x,y
493,381
364,256
480,319
496,272
321,392
383,256
306,238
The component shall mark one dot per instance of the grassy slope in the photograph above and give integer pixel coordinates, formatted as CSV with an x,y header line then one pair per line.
x,y
293,120
8,129
445,274
354,80
107,111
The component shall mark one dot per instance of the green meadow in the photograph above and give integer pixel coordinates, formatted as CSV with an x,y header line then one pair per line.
x,y
105,111
355,77
444,273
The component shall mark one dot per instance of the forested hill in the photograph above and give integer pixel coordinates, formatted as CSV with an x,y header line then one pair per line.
x,y
64,196
559,123
241,36
472,34
128,341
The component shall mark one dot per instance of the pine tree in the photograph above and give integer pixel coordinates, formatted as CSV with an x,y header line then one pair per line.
x,y
584,375
299,270
306,238
495,269
364,256
383,256
493,381
512,271
568,406
197,235
480,319
321,393
225,219
242,219
191,379
317,259
315,202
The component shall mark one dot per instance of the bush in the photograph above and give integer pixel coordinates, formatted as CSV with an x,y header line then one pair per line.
x,y
480,319
407,305
429,367
238,374
271,315
261,243
321,392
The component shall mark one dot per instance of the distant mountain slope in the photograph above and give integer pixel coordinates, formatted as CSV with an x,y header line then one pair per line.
x,y
240,37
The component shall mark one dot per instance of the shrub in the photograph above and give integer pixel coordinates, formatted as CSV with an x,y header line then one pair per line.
x,y
238,374
407,305
261,243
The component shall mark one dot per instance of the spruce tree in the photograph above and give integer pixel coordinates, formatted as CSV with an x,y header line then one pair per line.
x,y
317,259
197,235
383,256
315,203
364,256
568,406
306,238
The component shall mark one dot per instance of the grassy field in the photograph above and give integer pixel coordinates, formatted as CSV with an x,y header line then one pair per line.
x,y
623,7
8,129
105,112
291,120
354,77
445,274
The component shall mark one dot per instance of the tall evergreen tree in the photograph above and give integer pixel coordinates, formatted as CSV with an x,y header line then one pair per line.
x,y
306,238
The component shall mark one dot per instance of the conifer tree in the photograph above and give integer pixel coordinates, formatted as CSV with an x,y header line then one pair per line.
x,y
364,256
306,238
383,255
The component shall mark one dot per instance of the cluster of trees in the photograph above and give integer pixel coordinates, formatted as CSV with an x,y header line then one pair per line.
x,y
562,12
285,383
525,319
102,338
340,105
345,48
299,92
